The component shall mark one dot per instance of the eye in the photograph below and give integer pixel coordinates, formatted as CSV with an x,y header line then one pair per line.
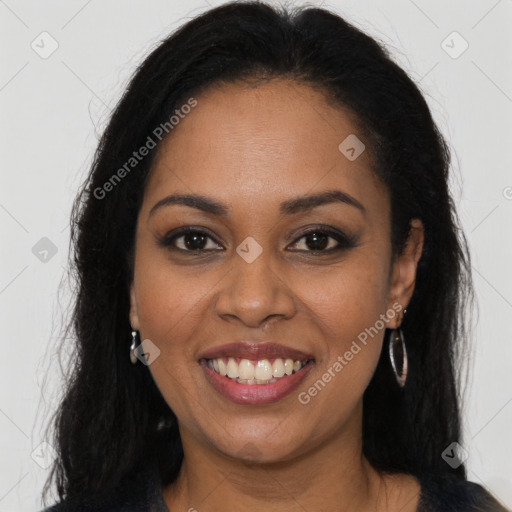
x,y
188,239
317,240
323,240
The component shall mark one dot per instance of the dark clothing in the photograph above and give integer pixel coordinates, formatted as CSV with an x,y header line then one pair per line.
x,y
449,494
438,494
140,495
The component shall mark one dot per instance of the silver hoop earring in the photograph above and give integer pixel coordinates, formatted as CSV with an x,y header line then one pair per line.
x,y
397,348
133,357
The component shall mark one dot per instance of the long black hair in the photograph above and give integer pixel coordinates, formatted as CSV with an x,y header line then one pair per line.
x,y
112,419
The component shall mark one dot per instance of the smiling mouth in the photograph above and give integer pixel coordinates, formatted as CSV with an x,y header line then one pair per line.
x,y
261,371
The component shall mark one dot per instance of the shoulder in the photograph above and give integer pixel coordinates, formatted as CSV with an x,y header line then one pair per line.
x,y
453,494
106,502
125,497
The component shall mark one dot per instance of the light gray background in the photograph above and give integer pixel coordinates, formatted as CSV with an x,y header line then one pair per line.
x,y
53,109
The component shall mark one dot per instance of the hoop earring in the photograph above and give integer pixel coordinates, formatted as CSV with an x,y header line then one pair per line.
x,y
133,357
397,347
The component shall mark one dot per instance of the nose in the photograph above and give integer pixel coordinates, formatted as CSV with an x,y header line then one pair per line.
x,y
253,293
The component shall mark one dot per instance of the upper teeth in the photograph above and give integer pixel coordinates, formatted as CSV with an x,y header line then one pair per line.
x,y
260,370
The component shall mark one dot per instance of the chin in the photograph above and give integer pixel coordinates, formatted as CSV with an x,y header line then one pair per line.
x,y
259,450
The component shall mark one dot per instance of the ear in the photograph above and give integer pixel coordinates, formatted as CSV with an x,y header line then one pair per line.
x,y
403,276
134,317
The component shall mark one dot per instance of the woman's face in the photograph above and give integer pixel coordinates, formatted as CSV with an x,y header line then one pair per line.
x,y
314,277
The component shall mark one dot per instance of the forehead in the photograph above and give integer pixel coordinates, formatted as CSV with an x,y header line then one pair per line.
x,y
264,143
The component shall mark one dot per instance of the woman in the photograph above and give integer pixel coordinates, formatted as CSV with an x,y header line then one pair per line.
x,y
271,283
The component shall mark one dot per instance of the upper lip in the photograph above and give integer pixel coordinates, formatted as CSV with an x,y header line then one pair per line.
x,y
255,350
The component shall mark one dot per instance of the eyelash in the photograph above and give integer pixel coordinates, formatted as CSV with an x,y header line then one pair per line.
x,y
345,242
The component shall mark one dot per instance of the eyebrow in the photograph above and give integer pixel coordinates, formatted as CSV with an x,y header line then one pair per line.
x,y
288,207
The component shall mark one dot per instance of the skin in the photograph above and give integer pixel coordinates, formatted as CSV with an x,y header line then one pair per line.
x,y
252,147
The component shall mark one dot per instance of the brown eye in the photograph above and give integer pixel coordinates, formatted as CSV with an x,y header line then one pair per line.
x,y
189,240
324,240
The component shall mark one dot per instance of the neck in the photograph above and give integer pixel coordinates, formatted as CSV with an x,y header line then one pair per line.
x,y
334,475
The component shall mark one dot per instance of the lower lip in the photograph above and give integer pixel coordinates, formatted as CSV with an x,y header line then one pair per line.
x,y
255,394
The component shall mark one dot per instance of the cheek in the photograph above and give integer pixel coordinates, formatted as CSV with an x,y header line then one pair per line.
x,y
346,309
346,300
170,306
170,297
342,300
